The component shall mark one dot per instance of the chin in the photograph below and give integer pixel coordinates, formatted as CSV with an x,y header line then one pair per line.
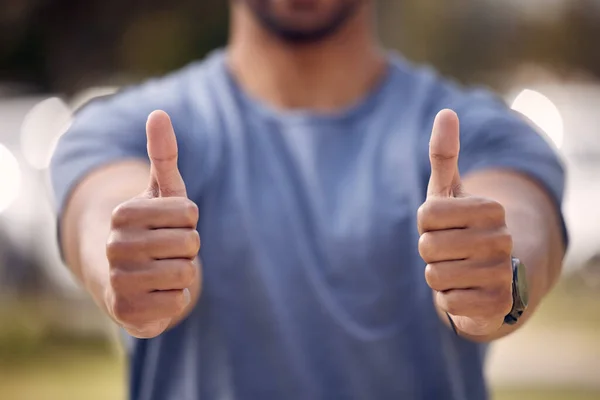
x,y
303,21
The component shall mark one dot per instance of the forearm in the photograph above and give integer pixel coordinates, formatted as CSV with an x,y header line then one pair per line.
x,y
86,224
535,228
90,252
537,243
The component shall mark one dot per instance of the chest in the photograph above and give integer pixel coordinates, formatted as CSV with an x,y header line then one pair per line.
x,y
325,211
347,184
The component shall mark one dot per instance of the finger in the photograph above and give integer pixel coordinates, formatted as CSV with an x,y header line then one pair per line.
x,y
467,274
146,308
174,274
164,244
148,330
156,213
462,244
465,212
167,303
127,250
166,180
444,148
475,303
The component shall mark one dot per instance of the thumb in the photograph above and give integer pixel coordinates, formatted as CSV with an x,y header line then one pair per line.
x,y
444,148
165,179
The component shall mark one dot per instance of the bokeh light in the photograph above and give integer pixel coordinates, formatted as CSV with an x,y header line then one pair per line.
x,y
41,128
543,112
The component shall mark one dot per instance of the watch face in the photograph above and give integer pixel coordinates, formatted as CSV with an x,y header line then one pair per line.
x,y
522,289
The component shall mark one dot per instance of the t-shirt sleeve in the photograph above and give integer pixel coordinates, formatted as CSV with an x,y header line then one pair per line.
x,y
493,137
112,129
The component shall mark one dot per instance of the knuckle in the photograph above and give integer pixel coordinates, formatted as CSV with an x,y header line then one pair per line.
x,y
123,310
493,210
425,246
167,159
496,244
123,214
504,242
186,273
118,279
116,247
428,210
191,212
432,277
192,242
498,211
442,158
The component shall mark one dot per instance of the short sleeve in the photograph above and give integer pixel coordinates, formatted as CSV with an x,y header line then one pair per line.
x,y
493,136
112,129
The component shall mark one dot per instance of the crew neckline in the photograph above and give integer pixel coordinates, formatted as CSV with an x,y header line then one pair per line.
x,y
307,116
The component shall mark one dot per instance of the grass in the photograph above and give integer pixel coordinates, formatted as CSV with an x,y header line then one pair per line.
x,y
81,372
91,371
38,362
570,304
73,372
545,394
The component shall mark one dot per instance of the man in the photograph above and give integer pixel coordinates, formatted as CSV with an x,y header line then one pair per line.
x,y
303,163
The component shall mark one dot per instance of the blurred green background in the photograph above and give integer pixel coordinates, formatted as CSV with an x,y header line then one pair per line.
x,y
53,342
45,358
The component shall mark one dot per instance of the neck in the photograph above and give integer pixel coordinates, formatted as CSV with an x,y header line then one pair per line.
x,y
324,76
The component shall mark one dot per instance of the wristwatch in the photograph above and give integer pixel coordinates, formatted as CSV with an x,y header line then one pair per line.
x,y
520,295
520,292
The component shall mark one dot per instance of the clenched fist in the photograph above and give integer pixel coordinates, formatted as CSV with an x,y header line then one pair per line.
x,y
464,241
153,243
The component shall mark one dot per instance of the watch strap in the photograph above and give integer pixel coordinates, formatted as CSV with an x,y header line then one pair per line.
x,y
452,324
516,310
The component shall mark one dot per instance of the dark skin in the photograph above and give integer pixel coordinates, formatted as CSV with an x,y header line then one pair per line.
x,y
135,247
300,22
469,230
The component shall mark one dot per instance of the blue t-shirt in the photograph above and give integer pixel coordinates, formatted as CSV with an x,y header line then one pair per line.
x,y
313,284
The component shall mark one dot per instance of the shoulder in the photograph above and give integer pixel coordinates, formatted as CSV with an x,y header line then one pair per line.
x,y
174,93
492,135
431,92
486,121
112,128
117,122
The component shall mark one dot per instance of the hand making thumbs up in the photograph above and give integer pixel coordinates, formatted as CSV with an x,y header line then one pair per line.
x,y
153,243
464,241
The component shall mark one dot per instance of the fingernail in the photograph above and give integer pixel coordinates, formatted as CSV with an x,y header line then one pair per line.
x,y
187,296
